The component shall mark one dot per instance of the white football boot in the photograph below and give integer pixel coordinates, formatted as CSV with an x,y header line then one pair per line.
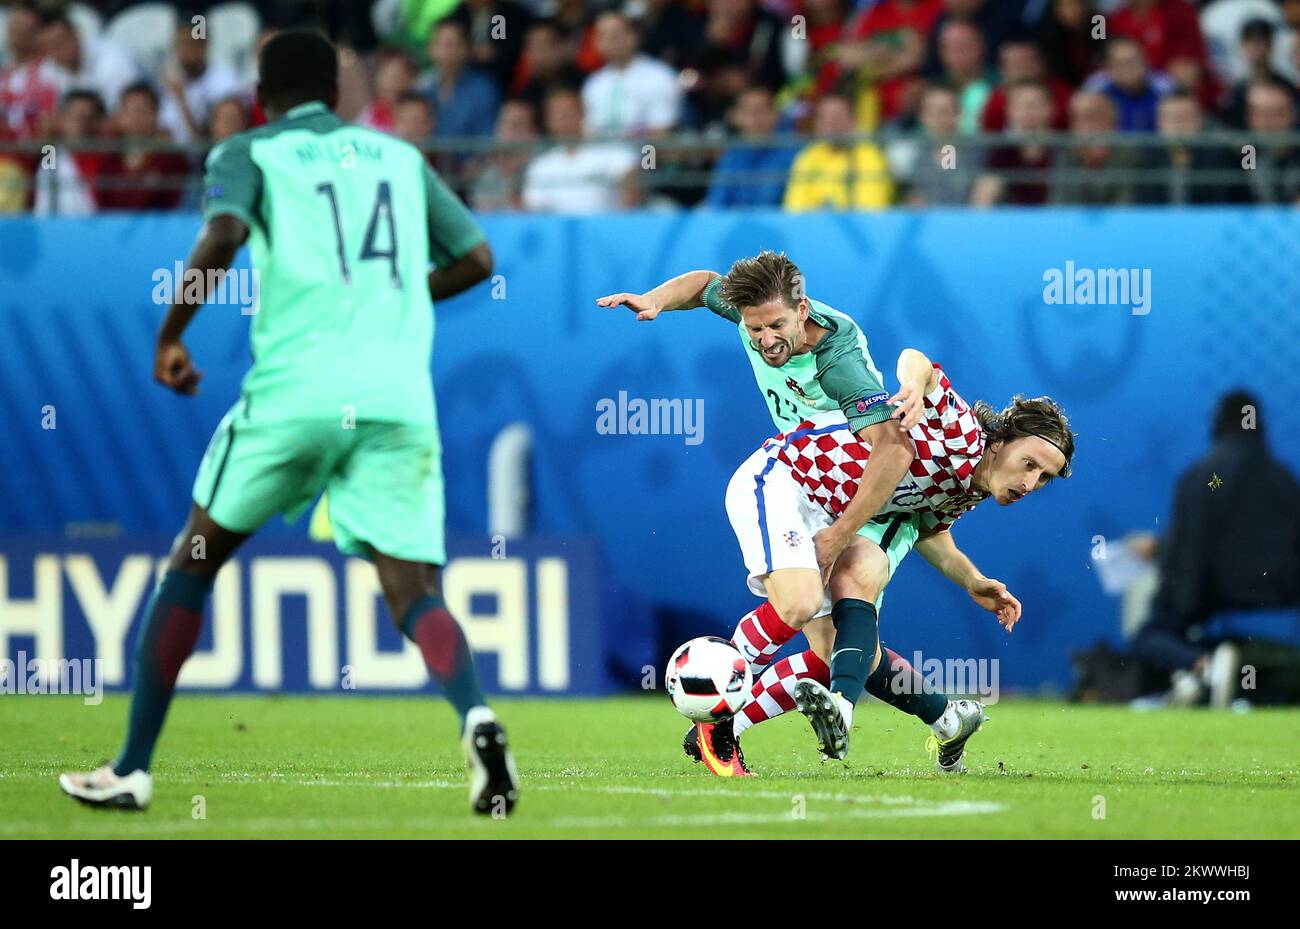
x,y
493,780
102,787
948,752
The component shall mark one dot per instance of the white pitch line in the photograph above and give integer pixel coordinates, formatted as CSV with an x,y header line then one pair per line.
x,y
665,792
263,824
848,806
895,806
197,828
955,808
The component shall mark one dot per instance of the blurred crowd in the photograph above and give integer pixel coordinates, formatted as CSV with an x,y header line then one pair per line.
x,y
573,106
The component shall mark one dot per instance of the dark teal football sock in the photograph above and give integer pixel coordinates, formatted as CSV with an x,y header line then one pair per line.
x,y
856,639
446,652
897,683
172,623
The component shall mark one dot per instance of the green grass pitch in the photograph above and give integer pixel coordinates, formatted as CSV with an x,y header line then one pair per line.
x,y
380,767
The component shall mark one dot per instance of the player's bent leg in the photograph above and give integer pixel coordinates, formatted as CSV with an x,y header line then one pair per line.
x,y
794,596
413,592
204,546
860,575
775,530
173,621
775,535
861,572
859,578
773,692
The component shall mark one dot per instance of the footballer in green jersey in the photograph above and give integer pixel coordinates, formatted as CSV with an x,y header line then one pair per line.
x,y
344,224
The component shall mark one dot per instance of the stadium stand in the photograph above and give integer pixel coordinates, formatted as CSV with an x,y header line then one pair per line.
x,y
673,74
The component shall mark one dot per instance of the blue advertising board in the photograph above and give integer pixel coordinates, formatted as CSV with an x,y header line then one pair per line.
x,y
1001,298
297,616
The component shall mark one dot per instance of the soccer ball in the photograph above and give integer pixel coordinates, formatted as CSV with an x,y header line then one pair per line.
x,y
708,679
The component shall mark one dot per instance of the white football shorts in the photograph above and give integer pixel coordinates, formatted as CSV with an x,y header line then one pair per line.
x,y
773,518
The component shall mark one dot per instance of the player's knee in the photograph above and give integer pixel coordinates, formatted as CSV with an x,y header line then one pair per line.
x,y
404,584
797,601
400,601
861,573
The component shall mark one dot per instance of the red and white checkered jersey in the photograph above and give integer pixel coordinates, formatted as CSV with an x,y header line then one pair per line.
x,y
827,460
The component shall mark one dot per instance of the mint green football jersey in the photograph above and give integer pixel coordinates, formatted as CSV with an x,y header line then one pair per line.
x,y
344,223
838,374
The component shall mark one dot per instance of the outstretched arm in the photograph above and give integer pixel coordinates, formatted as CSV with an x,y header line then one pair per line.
x,y
213,253
683,292
940,549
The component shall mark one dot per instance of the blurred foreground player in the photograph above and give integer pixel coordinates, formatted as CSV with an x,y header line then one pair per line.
x,y
343,223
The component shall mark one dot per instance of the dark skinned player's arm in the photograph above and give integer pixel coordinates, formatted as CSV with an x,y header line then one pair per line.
x,y
212,255
459,251
215,249
473,267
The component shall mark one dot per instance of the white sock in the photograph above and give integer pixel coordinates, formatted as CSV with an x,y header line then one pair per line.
x,y
846,710
947,725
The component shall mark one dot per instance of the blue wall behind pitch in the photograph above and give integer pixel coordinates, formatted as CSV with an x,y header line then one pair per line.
x,y
77,326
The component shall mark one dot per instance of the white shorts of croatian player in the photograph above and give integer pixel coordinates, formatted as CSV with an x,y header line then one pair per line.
x,y
773,519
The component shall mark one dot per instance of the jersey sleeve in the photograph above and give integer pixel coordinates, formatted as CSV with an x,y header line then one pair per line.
x,y
848,381
453,230
936,411
713,300
232,182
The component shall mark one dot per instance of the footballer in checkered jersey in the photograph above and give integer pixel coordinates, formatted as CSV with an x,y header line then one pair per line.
x,y
802,481
809,358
